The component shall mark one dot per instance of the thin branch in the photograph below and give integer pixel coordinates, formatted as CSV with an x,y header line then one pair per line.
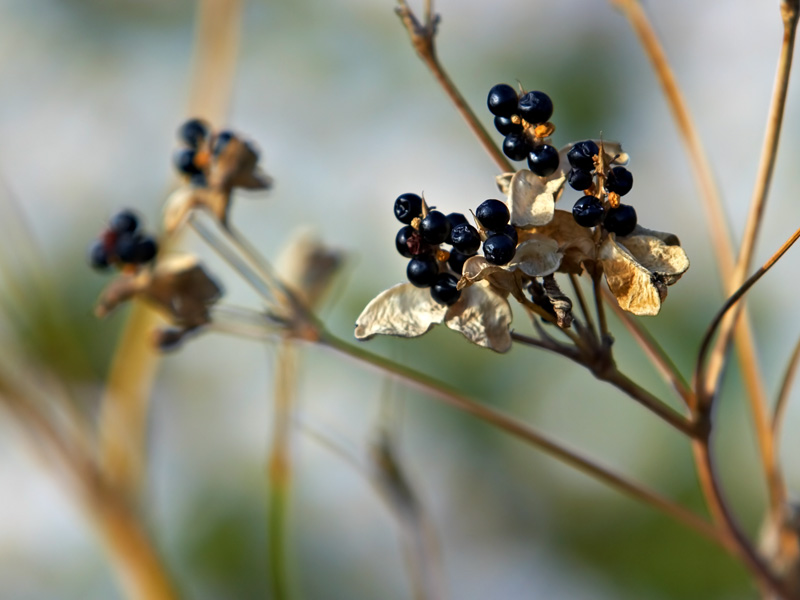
x,y
526,434
783,395
587,315
422,39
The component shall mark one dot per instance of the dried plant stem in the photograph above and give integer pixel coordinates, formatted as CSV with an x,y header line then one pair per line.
x,y
422,39
597,288
582,302
528,435
783,395
126,402
279,471
658,357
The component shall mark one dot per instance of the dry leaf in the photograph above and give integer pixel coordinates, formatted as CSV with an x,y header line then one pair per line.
x,y
632,285
482,316
403,310
665,261
532,198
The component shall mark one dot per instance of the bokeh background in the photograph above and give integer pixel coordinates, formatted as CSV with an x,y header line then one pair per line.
x,y
347,118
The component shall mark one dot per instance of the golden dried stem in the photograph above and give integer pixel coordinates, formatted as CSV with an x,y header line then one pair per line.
x,y
126,401
783,395
775,483
582,302
422,39
528,435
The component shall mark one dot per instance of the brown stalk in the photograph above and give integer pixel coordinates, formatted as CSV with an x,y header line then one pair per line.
x,y
783,394
126,402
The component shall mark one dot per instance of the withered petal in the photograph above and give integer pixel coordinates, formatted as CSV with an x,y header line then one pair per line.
x,y
531,199
670,239
307,267
403,310
235,166
180,286
537,256
668,262
504,182
482,316
630,282
574,242
477,268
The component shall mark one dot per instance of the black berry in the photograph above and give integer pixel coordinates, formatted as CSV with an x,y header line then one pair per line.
x,y
619,180
184,162
193,132
407,207
515,146
579,179
543,160
499,249
508,230
145,250
220,141
492,214
580,155
422,272
124,221
502,100
588,211
434,228
456,219
465,238
444,290
98,257
125,247
535,107
404,236
505,125
621,220
457,260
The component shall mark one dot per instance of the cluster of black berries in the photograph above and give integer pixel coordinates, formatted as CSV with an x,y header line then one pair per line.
x,y
524,120
421,237
591,210
199,147
122,243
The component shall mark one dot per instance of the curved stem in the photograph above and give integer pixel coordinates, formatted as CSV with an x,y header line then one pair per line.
x,y
526,434
783,395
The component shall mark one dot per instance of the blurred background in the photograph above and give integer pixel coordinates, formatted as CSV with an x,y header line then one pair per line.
x,y
347,118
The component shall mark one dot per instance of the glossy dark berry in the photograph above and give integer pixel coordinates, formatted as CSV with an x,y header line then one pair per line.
x,y
588,211
465,238
193,132
184,162
535,107
456,219
220,141
492,214
98,257
505,125
502,100
407,207
434,228
543,160
508,230
499,249
579,179
621,220
515,146
422,271
457,260
444,290
124,221
580,155
619,180
404,236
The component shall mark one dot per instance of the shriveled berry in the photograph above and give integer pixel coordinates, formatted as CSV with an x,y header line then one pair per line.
x,y
124,221
422,271
193,132
220,141
580,179
98,256
457,260
543,160
508,230
434,228
499,249
515,146
619,180
580,155
444,290
505,125
621,220
184,162
465,238
404,236
502,100
535,107
588,211
492,214
456,219
407,207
